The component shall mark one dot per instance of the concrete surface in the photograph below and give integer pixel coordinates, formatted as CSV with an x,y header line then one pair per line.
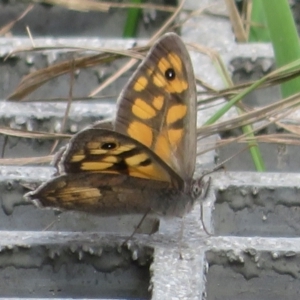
x,y
253,252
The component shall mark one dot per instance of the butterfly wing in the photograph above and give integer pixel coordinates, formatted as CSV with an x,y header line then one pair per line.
x,y
158,105
98,150
57,161
105,172
110,194
149,155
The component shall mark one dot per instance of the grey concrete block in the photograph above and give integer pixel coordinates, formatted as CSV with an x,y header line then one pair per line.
x,y
254,250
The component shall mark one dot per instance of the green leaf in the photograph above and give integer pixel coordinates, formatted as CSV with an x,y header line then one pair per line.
x,y
131,24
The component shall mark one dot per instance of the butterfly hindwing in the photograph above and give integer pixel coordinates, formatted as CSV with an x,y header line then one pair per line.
x,y
109,194
158,105
98,193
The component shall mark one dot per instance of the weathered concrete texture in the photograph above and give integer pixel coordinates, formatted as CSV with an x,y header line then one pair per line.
x,y
254,250
71,266
249,260
257,204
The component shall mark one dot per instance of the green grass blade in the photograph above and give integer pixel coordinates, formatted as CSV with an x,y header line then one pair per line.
x,y
247,130
253,145
131,24
233,101
284,38
258,30
284,71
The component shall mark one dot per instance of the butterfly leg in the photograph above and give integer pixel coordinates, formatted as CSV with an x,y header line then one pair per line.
x,y
205,194
181,238
137,227
202,221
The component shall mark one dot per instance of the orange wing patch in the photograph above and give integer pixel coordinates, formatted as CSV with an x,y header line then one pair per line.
x,y
140,84
166,143
175,113
143,110
79,156
175,61
104,164
158,102
162,147
177,84
175,136
141,132
140,166
70,194
121,148
170,138
136,159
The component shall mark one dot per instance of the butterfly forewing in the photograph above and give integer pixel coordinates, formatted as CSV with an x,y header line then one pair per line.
x,y
104,151
158,105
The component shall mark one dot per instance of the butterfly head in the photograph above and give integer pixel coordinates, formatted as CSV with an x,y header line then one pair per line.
x,y
200,188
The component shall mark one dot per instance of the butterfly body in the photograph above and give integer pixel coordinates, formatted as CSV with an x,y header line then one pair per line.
x,y
145,160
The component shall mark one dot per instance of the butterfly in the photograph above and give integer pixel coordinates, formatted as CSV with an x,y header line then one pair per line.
x,y
145,160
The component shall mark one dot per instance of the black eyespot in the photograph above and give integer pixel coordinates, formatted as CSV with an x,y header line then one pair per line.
x,y
109,146
170,74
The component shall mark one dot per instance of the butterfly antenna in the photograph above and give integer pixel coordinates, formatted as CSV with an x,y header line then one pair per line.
x,y
220,166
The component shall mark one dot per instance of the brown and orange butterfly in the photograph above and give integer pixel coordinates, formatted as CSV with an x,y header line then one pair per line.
x,y
145,162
